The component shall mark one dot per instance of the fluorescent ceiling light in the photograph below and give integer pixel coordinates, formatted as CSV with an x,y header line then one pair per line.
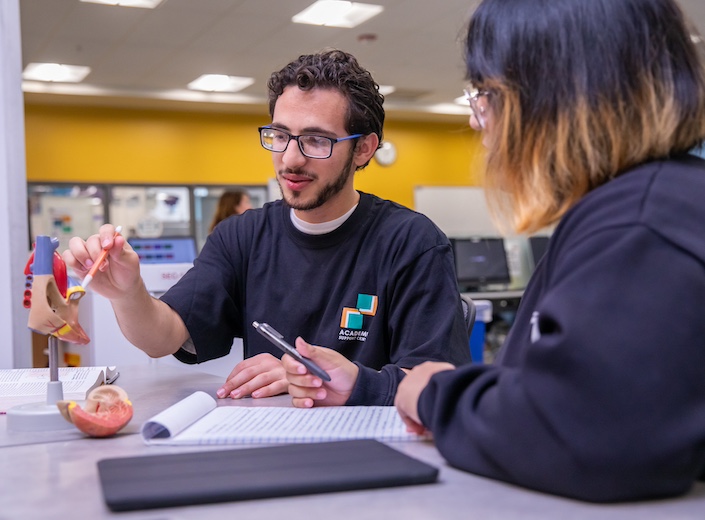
x,y
447,108
55,72
190,96
337,13
220,83
146,4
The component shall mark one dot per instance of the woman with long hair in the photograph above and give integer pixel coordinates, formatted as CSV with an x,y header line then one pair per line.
x,y
587,109
232,202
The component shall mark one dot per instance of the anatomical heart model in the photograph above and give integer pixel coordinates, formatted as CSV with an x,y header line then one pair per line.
x,y
106,411
52,299
50,295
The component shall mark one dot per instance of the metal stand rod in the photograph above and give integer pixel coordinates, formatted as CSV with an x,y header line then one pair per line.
x,y
53,358
55,389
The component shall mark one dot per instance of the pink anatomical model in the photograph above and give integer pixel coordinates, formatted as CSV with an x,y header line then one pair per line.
x,y
50,295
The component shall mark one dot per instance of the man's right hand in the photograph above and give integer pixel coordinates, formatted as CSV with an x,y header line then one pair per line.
x,y
119,276
259,376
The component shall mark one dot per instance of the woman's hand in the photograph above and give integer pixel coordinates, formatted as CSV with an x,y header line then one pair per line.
x,y
119,275
410,389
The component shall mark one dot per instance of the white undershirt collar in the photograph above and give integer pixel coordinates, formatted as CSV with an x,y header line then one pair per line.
x,y
323,227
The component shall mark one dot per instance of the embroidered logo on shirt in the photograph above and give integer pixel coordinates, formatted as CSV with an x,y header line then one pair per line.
x,y
352,317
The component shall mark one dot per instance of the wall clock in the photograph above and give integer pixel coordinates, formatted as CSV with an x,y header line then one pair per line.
x,y
387,154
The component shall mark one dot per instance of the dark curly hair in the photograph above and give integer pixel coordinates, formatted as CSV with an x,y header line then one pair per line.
x,y
339,70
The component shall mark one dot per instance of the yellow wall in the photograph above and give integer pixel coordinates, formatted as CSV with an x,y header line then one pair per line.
x,y
110,145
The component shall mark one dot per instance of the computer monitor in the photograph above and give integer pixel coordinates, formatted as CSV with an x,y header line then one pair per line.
x,y
480,262
164,250
538,245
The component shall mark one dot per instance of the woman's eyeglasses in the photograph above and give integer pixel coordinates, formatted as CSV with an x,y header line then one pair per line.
x,y
473,95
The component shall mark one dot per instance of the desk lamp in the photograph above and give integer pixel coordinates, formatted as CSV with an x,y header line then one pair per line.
x,y
52,299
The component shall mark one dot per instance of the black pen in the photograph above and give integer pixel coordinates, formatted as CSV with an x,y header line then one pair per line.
x,y
272,335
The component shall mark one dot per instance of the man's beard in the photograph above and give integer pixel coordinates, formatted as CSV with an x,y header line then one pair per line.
x,y
327,192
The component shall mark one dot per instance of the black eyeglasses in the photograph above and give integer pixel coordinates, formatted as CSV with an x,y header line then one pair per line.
x,y
312,146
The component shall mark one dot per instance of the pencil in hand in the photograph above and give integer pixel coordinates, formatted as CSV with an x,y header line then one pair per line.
x,y
99,262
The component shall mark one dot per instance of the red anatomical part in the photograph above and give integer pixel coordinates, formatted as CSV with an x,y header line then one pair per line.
x,y
106,411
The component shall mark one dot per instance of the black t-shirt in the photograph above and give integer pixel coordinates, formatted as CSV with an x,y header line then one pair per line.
x,y
380,289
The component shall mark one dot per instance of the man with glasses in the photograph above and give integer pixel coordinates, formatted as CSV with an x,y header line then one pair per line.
x,y
372,281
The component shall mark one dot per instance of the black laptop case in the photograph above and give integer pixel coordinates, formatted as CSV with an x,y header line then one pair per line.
x,y
201,477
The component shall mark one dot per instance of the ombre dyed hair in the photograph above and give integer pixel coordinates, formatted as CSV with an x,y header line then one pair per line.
x,y
580,91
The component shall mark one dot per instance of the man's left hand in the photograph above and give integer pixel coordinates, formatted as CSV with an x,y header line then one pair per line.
x,y
307,390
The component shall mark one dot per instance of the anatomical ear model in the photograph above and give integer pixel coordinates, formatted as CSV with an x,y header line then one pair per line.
x,y
50,295
106,411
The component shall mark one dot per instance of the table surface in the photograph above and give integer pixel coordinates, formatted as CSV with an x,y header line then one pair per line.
x,y
54,475
495,295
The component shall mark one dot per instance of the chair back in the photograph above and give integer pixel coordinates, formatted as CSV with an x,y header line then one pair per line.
x,y
469,312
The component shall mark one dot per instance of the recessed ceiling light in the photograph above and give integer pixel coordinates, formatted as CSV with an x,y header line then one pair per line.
x,y
337,13
55,72
145,4
220,83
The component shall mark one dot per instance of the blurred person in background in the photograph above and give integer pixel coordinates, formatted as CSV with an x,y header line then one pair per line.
x,y
231,202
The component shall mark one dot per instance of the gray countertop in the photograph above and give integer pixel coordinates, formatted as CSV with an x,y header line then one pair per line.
x,y
54,475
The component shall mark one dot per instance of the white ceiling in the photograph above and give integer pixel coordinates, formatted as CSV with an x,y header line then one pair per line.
x,y
144,57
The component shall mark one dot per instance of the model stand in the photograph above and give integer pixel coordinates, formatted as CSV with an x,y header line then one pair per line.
x,y
34,417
